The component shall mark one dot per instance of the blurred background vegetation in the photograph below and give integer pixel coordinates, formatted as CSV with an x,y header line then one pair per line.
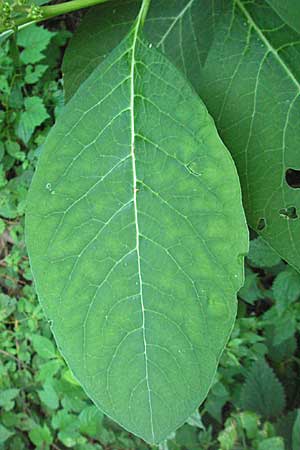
x,y
255,398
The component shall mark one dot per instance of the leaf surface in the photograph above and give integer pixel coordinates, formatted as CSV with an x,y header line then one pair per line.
x,y
262,392
174,26
250,83
136,236
289,10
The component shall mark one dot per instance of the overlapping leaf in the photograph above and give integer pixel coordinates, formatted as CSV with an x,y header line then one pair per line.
x,y
136,241
289,10
250,84
183,29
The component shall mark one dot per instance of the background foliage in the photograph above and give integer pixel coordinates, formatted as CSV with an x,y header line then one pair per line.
x,y
255,399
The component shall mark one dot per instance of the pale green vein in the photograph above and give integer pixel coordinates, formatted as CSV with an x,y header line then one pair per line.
x,y
263,38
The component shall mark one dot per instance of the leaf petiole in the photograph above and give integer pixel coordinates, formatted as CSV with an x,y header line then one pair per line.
x,y
48,12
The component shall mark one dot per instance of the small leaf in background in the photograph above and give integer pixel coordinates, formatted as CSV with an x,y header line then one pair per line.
x,y
261,254
7,305
286,288
274,443
4,434
296,432
41,437
250,422
262,392
48,396
49,369
13,149
7,397
43,346
216,399
90,420
285,327
34,115
34,73
250,291
279,349
34,40
67,427
284,427
229,435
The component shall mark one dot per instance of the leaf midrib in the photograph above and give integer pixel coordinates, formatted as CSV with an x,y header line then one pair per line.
x,y
133,135
269,46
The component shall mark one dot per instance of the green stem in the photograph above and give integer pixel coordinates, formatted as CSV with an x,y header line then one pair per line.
x,y
48,12
144,11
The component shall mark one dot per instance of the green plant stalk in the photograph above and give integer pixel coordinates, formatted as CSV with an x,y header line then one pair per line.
x,y
144,11
48,12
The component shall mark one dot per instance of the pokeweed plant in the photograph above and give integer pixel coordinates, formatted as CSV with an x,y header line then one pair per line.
x,y
129,227
135,226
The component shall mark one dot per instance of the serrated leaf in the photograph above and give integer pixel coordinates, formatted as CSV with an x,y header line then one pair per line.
x,y
284,324
34,115
286,347
286,288
135,241
252,50
262,392
34,40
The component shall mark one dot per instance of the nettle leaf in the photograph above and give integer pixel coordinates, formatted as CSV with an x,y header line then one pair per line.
x,y
262,392
136,236
250,83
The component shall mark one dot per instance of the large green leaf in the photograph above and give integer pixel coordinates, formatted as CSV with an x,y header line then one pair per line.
x,y
289,10
250,84
136,236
